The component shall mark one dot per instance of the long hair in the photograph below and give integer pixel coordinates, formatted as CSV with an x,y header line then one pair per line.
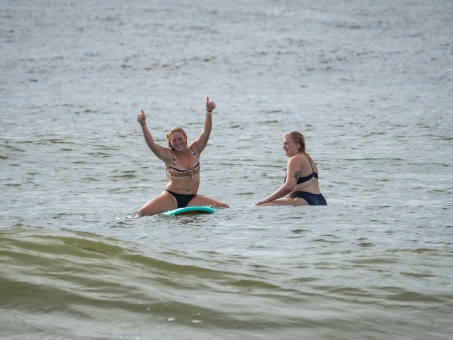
x,y
297,137
178,129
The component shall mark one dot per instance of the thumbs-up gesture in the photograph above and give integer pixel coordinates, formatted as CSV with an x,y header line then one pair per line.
x,y
210,105
141,118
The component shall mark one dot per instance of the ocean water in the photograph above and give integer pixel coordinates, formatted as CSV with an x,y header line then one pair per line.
x,y
369,84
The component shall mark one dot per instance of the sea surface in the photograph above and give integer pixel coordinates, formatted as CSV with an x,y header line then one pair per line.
x,y
369,84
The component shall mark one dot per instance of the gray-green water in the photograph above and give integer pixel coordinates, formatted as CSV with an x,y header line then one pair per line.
x,y
369,84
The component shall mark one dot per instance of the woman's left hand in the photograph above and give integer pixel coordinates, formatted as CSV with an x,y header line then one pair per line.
x,y
210,105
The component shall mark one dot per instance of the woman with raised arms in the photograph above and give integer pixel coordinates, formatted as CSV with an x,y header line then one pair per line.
x,y
301,186
182,166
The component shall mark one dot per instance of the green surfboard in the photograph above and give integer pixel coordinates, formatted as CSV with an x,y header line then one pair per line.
x,y
190,210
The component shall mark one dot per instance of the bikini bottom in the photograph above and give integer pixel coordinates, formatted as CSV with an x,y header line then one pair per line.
x,y
181,199
312,199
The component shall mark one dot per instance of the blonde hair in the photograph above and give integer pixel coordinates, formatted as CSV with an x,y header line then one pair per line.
x,y
296,136
178,129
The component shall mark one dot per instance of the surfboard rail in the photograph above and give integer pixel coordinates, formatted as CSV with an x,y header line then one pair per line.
x,y
199,209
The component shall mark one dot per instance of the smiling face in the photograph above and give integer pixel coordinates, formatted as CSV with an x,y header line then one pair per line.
x,y
290,146
177,140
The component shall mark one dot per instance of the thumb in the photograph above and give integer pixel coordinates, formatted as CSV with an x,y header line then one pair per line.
x,y
207,100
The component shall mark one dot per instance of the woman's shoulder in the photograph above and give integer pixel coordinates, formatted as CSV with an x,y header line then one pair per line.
x,y
296,159
301,159
169,155
193,148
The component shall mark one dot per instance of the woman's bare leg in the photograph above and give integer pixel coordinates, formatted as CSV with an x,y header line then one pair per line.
x,y
162,203
202,200
286,201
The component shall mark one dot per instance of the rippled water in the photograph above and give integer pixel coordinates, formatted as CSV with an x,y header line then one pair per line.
x,y
370,86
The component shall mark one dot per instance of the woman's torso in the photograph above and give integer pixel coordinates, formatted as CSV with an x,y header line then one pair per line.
x,y
308,178
183,173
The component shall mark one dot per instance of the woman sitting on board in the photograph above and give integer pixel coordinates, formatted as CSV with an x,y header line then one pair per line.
x,y
301,185
183,167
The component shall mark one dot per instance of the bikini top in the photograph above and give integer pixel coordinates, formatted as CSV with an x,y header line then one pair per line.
x,y
174,171
307,178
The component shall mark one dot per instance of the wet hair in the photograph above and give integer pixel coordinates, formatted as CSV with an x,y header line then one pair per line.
x,y
297,137
178,129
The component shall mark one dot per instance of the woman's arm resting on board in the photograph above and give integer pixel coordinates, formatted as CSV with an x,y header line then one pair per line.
x,y
292,175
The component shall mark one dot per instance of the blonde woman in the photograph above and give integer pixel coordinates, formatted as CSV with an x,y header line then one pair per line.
x,y
301,185
182,167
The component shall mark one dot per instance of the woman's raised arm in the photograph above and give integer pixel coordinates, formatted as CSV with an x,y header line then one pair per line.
x,y
160,152
200,143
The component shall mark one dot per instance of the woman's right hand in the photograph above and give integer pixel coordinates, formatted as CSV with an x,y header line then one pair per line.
x,y
141,118
210,105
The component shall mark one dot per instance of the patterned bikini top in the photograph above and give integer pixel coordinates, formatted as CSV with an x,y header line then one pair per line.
x,y
174,171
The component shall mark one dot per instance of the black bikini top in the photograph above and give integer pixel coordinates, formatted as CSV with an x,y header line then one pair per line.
x,y
307,178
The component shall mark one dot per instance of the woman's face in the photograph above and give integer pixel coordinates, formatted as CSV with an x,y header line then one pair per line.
x,y
178,141
290,147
